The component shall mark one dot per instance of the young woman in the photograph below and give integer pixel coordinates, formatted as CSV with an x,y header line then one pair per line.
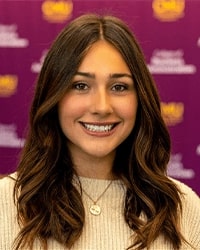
x,y
92,174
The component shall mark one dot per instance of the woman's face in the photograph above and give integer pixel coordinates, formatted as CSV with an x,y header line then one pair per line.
x,y
98,112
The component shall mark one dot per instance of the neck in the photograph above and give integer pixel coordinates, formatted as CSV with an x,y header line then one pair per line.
x,y
92,173
96,168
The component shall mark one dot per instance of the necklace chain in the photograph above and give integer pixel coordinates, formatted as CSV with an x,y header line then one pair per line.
x,y
95,201
94,208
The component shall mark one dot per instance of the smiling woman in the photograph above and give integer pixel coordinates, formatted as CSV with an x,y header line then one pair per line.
x,y
104,87
92,173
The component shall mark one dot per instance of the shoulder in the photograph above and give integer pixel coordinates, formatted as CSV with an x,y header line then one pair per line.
x,y
7,193
190,216
7,203
9,227
190,199
187,193
8,181
7,187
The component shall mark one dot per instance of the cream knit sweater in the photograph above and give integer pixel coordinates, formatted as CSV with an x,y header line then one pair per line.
x,y
107,231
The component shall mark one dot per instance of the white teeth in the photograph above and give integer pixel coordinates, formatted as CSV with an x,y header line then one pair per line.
x,y
96,128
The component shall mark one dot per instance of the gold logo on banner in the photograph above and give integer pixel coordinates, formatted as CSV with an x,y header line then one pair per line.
x,y
168,10
172,112
8,85
57,11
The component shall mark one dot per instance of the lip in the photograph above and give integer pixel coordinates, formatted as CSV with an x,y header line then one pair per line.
x,y
99,129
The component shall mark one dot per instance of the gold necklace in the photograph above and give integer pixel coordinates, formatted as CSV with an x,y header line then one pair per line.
x,y
94,208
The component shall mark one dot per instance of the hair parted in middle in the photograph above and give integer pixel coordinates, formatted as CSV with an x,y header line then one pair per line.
x,y
48,204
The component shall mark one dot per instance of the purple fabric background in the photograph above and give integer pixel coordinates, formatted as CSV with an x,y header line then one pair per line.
x,y
169,34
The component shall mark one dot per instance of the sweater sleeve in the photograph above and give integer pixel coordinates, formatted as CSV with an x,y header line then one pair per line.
x,y
190,219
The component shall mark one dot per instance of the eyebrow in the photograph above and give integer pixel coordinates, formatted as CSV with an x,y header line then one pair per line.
x,y
111,76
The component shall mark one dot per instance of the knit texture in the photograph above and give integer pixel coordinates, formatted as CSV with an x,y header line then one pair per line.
x,y
108,230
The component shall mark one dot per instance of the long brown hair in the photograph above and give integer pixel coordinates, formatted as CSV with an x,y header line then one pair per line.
x,y
48,204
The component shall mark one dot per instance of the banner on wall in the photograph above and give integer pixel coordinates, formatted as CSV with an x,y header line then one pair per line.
x,y
170,45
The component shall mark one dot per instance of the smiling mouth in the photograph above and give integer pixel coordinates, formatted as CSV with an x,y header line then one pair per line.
x,y
99,128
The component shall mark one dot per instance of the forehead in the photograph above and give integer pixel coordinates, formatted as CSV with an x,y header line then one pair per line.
x,y
102,56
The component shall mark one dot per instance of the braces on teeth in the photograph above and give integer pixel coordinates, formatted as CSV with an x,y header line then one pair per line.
x,y
96,128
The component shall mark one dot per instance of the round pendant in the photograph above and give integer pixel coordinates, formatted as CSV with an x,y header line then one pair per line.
x,y
95,209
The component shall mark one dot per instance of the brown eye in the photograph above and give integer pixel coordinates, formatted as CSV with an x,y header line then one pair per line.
x,y
119,87
80,86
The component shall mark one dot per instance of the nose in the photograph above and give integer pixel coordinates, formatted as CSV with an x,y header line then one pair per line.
x,y
101,102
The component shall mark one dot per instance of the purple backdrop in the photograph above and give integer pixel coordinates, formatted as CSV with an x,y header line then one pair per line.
x,y
169,34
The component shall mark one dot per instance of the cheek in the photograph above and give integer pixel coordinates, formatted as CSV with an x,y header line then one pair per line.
x,y
69,109
129,115
129,109
65,111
